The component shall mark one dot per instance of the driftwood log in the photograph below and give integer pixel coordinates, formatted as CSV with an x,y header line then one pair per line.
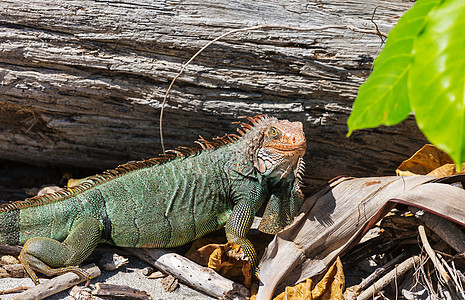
x,y
57,284
82,82
201,278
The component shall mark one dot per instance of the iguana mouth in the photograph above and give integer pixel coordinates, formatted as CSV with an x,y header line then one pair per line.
x,y
289,148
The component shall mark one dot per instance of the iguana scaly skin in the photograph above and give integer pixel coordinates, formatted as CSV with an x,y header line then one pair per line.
x,y
166,202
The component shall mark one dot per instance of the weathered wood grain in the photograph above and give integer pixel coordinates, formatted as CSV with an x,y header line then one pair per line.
x,y
82,81
201,278
57,284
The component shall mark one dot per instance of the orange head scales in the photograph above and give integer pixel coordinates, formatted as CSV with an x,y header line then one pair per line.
x,y
282,148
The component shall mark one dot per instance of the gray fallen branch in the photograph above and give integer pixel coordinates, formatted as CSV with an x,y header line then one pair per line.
x,y
57,284
398,271
10,250
445,229
373,276
201,278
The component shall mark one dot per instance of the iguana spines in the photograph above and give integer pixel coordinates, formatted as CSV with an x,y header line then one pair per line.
x,y
168,201
107,175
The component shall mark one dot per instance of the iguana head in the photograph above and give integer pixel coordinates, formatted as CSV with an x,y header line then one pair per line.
x,y
276,150
282,146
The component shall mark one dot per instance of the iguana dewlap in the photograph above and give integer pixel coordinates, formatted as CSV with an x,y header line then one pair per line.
x,y
166,202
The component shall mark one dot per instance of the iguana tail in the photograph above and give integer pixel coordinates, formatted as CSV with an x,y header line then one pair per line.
x,y
9,227
37,217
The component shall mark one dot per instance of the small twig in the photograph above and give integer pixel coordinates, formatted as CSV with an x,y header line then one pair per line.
x,y
57,284
436,262
380,34
457,274
147,271
258,27
454,278
18,289
427,281
429,250
400,270
378,272
461,276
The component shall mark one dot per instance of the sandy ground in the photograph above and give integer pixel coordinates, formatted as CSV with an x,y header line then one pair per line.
x,y
129,275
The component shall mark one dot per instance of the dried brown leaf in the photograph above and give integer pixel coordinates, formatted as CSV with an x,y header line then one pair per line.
x,y
425,160
302,291
330,286
200,251
226,259
446,170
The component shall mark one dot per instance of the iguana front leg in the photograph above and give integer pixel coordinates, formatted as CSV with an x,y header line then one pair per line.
x,y
285,201
50,257
241,220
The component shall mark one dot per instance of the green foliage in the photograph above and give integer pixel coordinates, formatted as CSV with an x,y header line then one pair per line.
x,y
421,69
437,77
383,98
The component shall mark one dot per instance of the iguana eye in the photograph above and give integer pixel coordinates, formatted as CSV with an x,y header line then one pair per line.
x,y
274,133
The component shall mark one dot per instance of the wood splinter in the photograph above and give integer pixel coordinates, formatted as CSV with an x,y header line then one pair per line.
x,y
170,283
15,271
119,291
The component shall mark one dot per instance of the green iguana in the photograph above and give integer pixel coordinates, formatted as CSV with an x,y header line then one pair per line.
x,y
166,202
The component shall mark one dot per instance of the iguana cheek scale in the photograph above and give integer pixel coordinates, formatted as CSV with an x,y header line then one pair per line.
x,y
166,202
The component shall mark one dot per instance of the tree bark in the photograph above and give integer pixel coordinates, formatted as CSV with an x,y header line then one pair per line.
x,y
82,81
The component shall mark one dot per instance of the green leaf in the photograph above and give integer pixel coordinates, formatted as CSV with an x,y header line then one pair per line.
x,y
383,98
437,77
